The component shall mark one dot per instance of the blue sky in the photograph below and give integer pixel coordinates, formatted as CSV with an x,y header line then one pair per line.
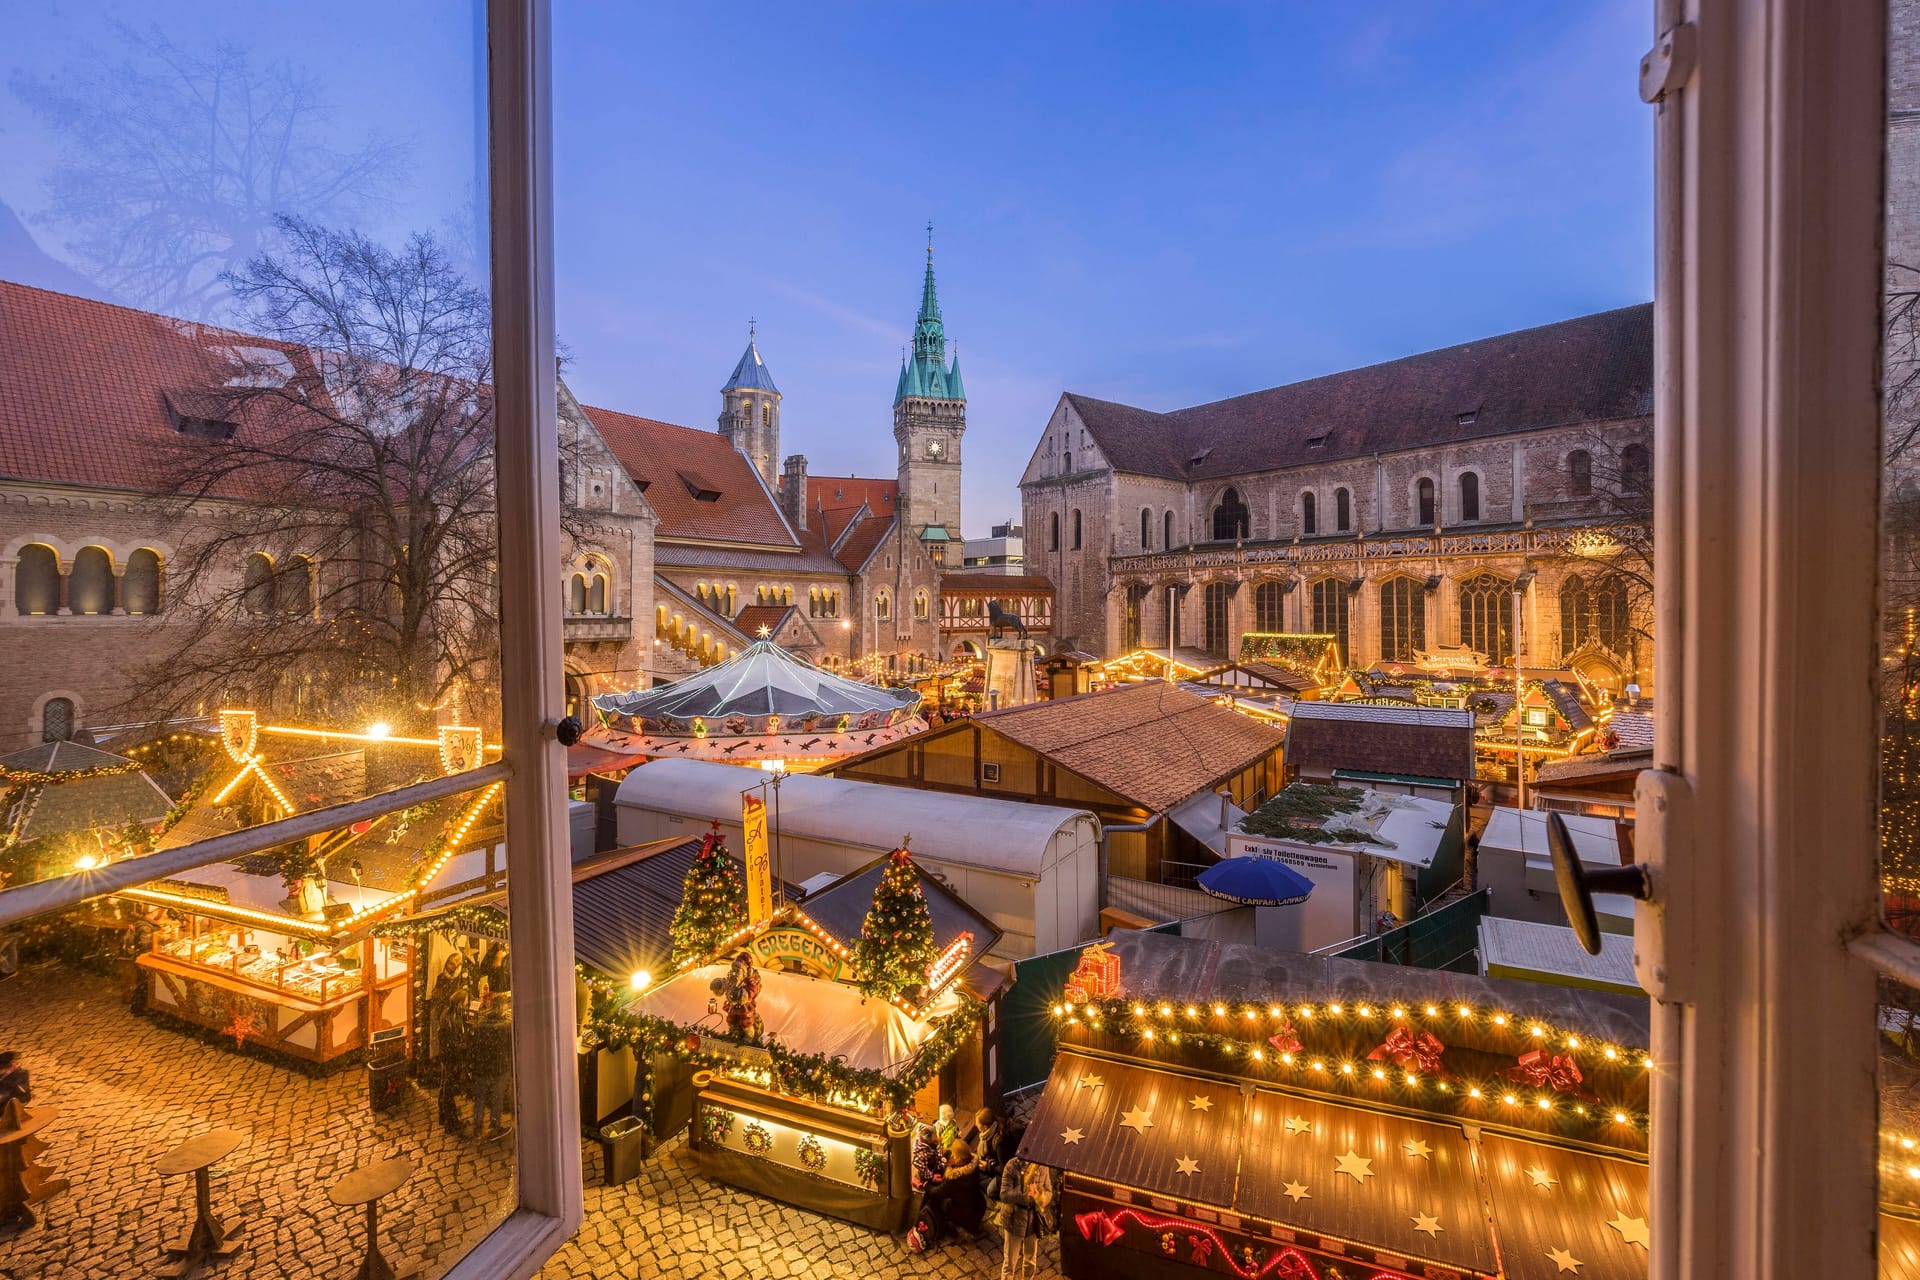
x,y
1162,204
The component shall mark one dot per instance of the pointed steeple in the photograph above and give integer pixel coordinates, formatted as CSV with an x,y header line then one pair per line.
x,y
955,391
929,335
751,373
900,391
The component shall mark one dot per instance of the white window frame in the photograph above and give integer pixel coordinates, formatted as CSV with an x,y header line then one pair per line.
x,y
533,764
1759,819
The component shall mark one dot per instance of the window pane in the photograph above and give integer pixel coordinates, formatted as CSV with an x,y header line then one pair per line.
x,y
257,238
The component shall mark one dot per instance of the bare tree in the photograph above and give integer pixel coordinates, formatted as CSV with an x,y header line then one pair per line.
x,y
1608,483
340,481
176,165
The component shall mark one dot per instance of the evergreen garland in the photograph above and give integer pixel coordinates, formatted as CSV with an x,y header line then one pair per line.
x,y
896,941
713,901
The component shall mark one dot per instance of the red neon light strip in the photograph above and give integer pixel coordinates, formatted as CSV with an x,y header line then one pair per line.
x,y
1288,1264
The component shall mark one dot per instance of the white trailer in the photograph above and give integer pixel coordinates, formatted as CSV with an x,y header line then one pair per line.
x,y
1034,870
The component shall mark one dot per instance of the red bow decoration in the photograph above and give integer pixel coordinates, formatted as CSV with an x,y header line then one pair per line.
x,y
1284,1040
1410,1048
1541,1069
1201,1248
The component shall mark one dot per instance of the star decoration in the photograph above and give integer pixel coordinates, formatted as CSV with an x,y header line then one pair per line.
x,y
1200,1102
1296,1125
1632,1230
1298,1191
1091,1081
243,1027
763,632
1354,1165
1418,1149
1139,1119
1073,1136
1428,1223
1564,1259
1541,1178
1187,1165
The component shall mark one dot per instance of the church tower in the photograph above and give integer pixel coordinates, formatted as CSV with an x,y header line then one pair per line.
x,y
750,412
929,417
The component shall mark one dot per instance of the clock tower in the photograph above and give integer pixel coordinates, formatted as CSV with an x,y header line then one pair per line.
x,y
929,418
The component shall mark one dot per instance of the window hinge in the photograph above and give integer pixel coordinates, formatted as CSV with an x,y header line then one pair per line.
x,y
1668,949
1669,64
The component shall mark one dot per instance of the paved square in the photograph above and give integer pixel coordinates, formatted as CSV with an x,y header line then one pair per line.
x,y
129,1089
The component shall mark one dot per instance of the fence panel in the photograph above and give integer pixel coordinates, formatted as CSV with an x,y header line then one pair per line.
x,y
1445,939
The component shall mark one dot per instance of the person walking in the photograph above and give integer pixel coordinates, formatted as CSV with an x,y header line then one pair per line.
x,y
492,1058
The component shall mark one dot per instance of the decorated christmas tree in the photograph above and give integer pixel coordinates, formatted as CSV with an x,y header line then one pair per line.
x,y
713,901
896,941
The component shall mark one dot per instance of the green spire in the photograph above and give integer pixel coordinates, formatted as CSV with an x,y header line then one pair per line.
x,y
954,390
926,373
900,391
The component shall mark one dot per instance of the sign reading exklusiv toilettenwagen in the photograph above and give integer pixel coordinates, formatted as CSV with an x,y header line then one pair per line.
x,y
1327,916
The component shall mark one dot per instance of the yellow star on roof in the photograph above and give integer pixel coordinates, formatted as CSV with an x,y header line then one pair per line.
x,y
1187,1165
1354,1165
1428,1223
1138,1119
1296,1124
1091,1081
1200,1102
1415,1147
1632,1230
1541,1178
1072,1136
763,632
1565,1260
1298,1191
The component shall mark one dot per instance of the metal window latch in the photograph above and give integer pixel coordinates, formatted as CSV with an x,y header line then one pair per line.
x,y
1669,64
568,730
1578,883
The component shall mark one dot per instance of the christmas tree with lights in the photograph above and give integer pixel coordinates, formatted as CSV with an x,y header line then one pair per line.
x,y
896,941
713,901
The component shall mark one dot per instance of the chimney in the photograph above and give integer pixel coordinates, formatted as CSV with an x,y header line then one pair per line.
x,y
793,490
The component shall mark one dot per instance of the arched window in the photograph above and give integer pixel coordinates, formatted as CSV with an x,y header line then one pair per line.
x,y
766,413
1067,461
786,596
1230,517
1594,611
1308,524
813,602
1469,496
1342,511
1486,617
733,595
1053,532
1579,473
1146,529
36,580
1213,617
1130,639
1636,469
140,588
296,586
882,606
921,606
577,594
597,594
1076,528
1423,502
256,584
56,720
1332,611
1269,606
1166,538
90,582
1403,619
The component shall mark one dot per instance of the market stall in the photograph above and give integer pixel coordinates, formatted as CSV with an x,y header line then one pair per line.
x,y
1221,1110
807,1041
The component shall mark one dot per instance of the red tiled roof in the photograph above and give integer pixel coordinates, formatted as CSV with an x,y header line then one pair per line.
x,y
83,386
1595,368
1151,742
995,583
771,616
862,540
1425,742
663,459
830,492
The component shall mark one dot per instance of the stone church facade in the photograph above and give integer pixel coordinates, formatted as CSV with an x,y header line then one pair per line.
x,y
1401,508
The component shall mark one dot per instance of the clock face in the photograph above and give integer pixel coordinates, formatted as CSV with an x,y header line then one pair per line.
x,y
935,448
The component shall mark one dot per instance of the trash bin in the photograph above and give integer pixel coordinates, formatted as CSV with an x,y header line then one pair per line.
x,y
386,1069
622,1146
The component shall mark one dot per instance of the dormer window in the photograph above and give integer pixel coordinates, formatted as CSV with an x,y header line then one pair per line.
x,y
1316,442
701,490
207,415
1466,419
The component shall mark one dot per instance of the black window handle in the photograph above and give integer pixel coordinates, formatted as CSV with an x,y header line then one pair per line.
x,y
568,730
1578,883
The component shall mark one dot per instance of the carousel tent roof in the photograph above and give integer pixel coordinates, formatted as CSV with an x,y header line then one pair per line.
x,y
761,680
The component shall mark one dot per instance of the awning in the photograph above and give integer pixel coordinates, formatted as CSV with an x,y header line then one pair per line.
x,y
1200,816
584,758
1595,1210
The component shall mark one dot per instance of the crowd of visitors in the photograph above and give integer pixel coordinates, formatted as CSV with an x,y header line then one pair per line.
x,y
969,1181
473,1042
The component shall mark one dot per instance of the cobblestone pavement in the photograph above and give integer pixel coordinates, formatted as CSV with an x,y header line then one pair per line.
x,y
129,1089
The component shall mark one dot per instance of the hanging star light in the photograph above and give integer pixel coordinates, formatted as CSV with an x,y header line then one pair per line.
x,y
1564,1260
1354,1165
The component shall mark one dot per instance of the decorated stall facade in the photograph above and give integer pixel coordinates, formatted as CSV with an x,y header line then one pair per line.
x,y
798,1042
1228,1111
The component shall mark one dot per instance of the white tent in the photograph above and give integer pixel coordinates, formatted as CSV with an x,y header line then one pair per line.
x,y
1034,870
1514,863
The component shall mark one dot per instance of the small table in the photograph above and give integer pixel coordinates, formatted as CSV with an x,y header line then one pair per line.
x,y
209,1238
367,1185
22,1183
